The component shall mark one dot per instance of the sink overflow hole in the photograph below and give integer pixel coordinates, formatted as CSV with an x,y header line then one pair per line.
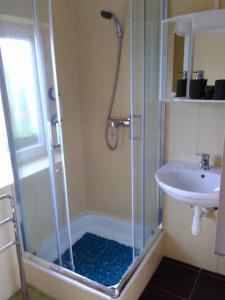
x,y
202,176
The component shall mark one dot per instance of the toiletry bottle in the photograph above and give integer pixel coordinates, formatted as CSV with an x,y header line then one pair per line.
x,y
209,92
197,85
182,85
219,92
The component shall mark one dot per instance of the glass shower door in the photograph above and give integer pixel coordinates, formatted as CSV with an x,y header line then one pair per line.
x,y
152,117
146,119
46,53
137,141
41,192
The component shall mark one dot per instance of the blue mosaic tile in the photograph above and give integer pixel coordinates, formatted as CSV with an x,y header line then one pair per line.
x,y
99,259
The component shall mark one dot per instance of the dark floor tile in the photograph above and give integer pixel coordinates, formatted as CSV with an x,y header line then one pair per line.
x,y
209,287
213,274
180,263
174,278
155,294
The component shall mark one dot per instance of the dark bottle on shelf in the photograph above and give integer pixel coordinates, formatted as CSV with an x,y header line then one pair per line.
x,y
209,90
197,85
182,85
219,91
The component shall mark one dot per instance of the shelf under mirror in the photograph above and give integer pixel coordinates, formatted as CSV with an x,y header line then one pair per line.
x,y
187,100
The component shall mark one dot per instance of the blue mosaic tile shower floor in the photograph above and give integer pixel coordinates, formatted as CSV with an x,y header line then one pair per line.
x,y
99,259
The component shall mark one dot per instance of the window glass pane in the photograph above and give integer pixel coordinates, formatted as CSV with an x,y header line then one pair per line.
x,y
6,176
22,91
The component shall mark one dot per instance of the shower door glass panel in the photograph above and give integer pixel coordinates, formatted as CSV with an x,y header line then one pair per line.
x,y
146,114
152,117
55,113
28,126
137,123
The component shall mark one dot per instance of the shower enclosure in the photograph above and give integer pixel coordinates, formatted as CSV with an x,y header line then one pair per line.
x,y
62,215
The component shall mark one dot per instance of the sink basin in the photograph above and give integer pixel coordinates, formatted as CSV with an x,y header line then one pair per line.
x,y
187,183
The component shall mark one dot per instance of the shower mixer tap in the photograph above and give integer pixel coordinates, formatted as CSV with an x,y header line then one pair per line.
x,y
117,122
124,122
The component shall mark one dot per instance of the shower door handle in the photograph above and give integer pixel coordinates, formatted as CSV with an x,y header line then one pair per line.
x,y
137,127
54,145
58,143
55,123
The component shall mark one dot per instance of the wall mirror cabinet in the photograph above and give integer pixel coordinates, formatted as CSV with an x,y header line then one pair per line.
x,y
193,51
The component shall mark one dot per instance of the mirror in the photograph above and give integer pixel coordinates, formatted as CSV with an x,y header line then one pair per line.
x,y
178,59
179,37
181,50
183,62
208,55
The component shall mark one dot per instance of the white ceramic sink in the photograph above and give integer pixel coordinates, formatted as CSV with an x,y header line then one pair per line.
x,y
187,183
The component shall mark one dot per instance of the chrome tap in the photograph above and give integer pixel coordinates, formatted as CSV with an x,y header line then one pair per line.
x,y
204,163
117,122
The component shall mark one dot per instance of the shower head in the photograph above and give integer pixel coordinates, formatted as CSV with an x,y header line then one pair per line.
x,y
108,14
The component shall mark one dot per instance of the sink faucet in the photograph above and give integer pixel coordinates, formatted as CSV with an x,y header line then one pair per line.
x,y
204,163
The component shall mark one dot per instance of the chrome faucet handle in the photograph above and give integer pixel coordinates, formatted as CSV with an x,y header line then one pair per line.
x,y
205,156
204,163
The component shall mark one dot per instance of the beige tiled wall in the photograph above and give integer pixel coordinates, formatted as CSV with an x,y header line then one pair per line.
x,y
107,173
68,87
38,214
192,128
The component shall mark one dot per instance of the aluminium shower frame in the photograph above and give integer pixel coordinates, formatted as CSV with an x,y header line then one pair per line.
x,y
116,290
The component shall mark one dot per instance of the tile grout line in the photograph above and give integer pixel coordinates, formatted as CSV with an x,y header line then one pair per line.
x,y
168,293
190,267
214,276
198,129
195,284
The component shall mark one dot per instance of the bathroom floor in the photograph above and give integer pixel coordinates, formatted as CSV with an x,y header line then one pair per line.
x,y
175,280
99,259
34,294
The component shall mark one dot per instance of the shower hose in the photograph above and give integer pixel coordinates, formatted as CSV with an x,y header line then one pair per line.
x,y
112,125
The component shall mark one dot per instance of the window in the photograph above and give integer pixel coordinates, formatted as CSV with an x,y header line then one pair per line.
x,y
6,176
24,97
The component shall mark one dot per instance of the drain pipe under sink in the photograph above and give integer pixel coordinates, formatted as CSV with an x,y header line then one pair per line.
x,y
197,218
